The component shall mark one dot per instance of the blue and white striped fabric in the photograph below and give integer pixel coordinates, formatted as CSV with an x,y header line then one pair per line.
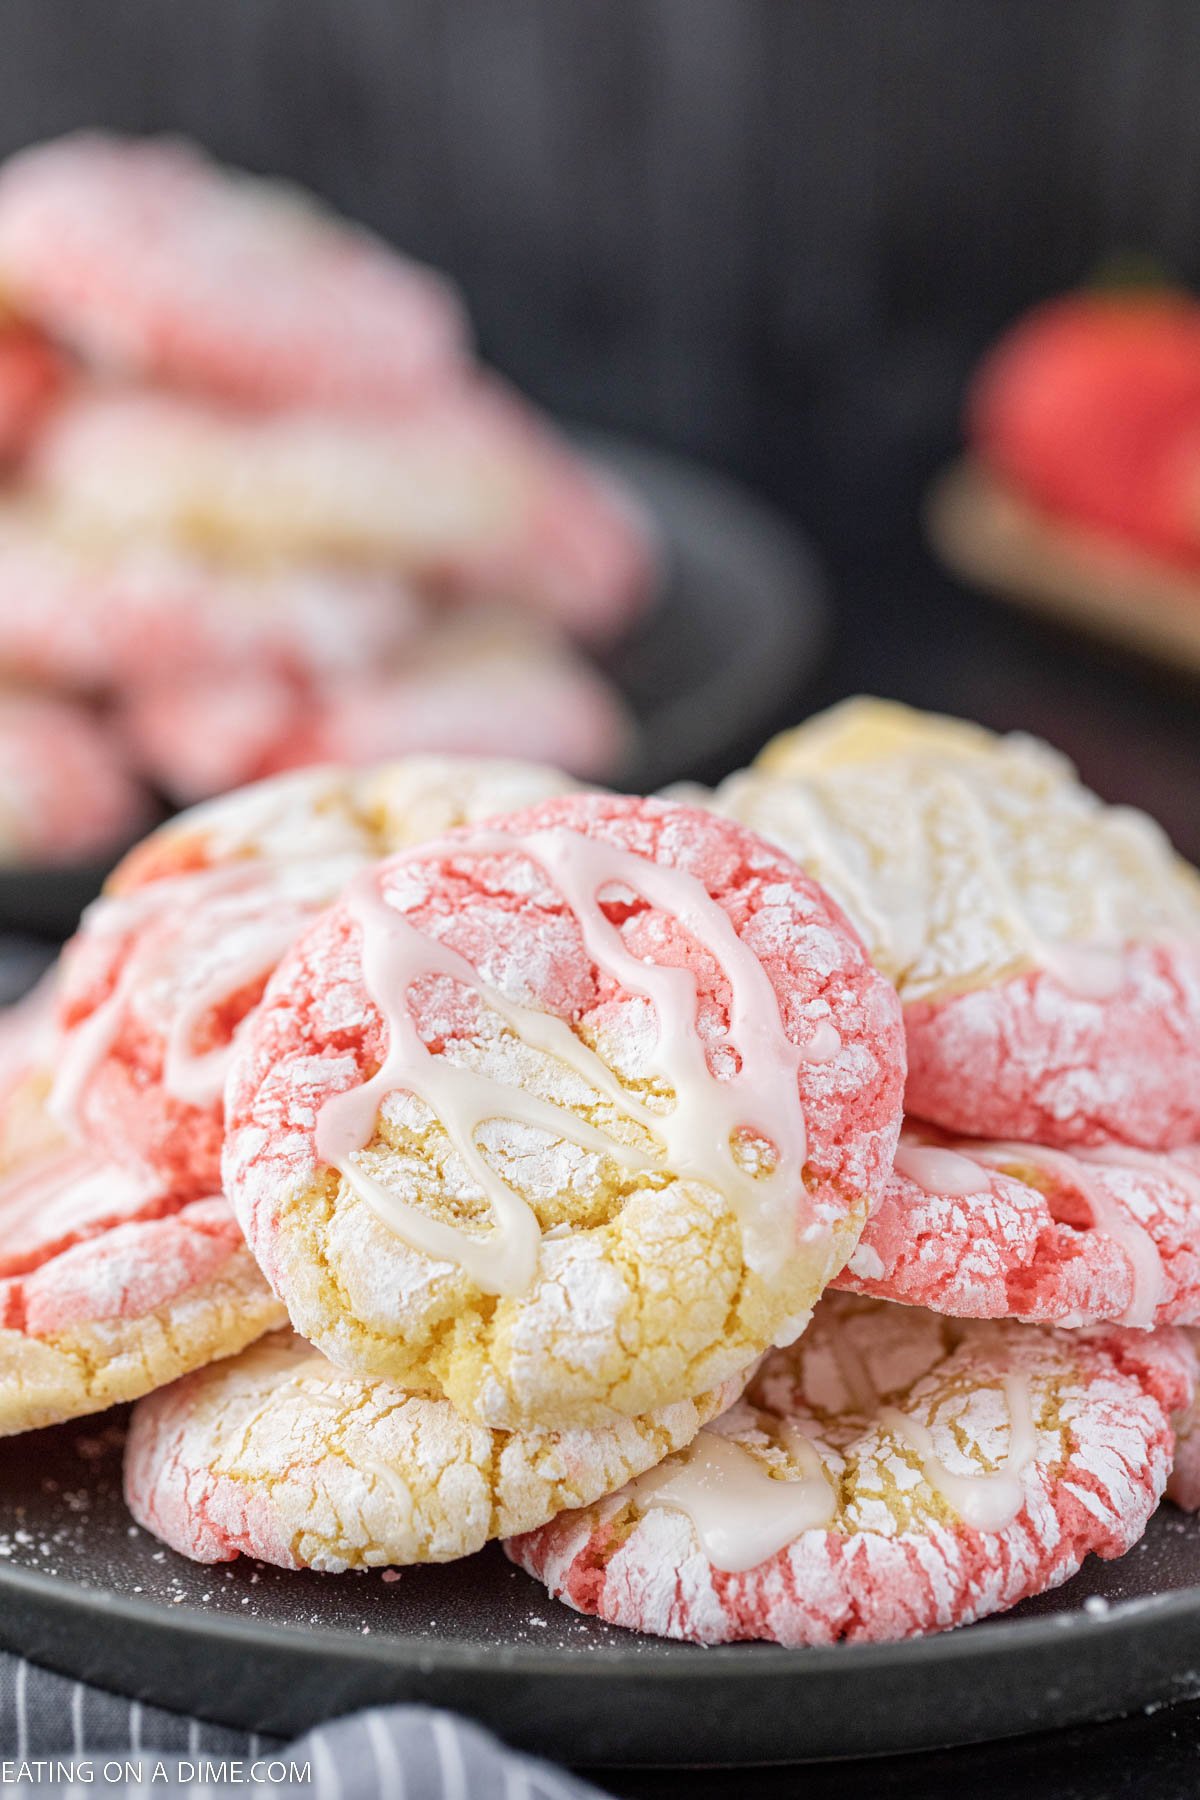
x,y
59,1736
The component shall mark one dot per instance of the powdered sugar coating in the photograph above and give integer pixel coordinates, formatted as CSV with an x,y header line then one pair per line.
x,y
474,685
1025,1059
96,614
66,793
152,261
1053,1237
165,968
111,1285
464,491
1046,947
897,1559
643,1293
282,1456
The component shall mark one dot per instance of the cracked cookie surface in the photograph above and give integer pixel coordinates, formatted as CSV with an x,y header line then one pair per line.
x,y
987,1230
280,1455
168,963
1046,947
899,1473
111,1286
583,1245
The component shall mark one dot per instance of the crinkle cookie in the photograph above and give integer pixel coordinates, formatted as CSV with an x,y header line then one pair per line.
x,y
568,1116
475,686
892,1473
97,614
66,792
278,1454
993,1231
465,491
166,966
1046,947
110,1286
150,260
32,376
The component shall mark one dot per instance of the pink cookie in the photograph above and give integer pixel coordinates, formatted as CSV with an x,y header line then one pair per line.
x,y
32,375
479,686
280,1455
568,1116
892,1473
96,616
992,1231
465,492
66,795
110,1286
150,260
168,964
1036,1059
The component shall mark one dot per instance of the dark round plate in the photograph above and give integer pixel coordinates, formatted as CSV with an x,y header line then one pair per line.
x,y
83,1590
736,628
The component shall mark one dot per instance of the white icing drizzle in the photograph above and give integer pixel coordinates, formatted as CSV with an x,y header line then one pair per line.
x,y
189,1075
742,1515
938,1171
825,1044
1145,1258
696,1135
986,1502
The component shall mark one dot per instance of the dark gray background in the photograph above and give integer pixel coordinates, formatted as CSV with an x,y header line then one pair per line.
x,y
773,233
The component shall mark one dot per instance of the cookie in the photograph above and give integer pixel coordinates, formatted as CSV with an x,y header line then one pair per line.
x,y
32,376
892,1473
151,261
97,615
464,492
277,1454
994,1231
477,686
567,1117
1046,947
166,966
110,1285
66,792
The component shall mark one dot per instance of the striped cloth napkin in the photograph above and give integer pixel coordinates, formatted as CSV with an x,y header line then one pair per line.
x,y
59,1736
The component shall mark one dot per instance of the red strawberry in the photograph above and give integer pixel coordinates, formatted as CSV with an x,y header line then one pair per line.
x,y
1090,408
32,374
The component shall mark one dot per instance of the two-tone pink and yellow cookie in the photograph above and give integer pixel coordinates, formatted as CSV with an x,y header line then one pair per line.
x,y
167,965
110,1284
1046,947
567,1116
153,262
891,1473
280,1455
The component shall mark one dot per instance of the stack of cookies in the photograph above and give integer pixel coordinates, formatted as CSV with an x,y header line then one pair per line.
x,y
261,504
477,1157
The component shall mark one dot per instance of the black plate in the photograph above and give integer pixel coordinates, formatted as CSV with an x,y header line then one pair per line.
x,y
83,1590
736,629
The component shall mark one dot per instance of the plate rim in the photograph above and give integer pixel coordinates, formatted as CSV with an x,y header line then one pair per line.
x,y
713,1662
